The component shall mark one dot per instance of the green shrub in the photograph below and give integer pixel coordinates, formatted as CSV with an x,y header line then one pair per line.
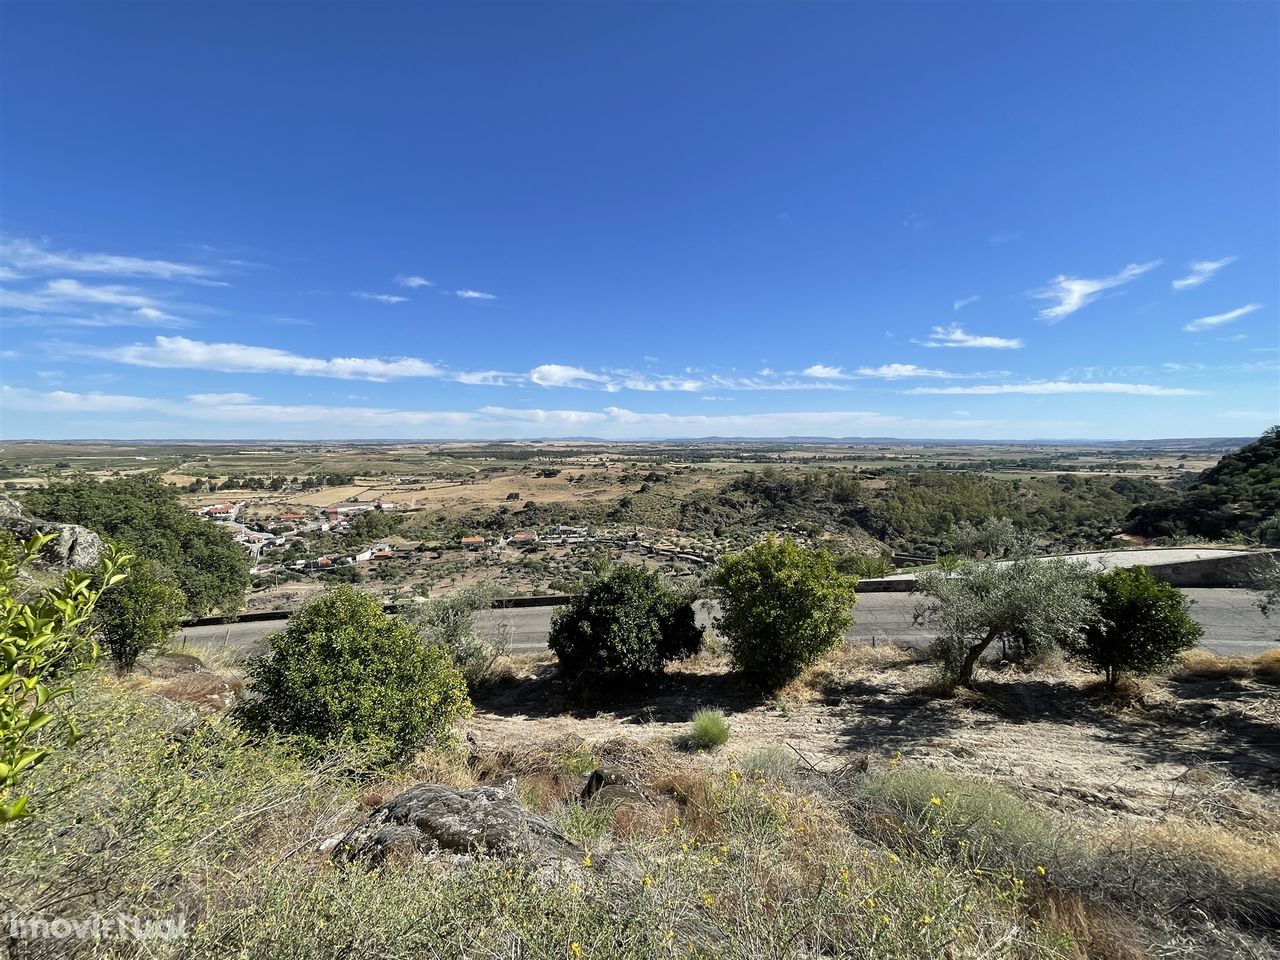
x,y
345,672
627,625
707,730
781,608
1142,625
139,616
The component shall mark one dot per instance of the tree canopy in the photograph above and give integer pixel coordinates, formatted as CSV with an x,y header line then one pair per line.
x,y
144,514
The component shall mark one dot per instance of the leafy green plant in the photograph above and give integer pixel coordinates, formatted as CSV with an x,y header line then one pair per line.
x,y
139,616
1142,625
781,608
707,730
44,638
345,672
627,624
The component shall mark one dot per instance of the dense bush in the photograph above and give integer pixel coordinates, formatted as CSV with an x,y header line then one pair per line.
x,y
1029,606
142,513
781,608
139,616
343,671
627,624
1142,625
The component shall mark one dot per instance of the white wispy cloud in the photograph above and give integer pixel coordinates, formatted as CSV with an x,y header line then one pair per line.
x,y
1049,387
824,372
474,295
1071,293
900,371
182,353
1218,319
1201,271
88,305
955,336
413,283
560,375
964,302
24,257
379,297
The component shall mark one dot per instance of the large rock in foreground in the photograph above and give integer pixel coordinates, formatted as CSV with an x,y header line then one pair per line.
x,y
73,547
431,819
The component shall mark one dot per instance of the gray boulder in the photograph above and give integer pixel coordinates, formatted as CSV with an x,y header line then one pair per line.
x,y
73,547
477,821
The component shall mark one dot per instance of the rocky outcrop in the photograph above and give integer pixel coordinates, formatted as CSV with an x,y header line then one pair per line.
x,y
73,547
477,821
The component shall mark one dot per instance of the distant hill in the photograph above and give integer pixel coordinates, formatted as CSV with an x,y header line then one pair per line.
x,y
1238,495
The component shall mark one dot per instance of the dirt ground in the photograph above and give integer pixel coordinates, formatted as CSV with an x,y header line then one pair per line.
x,y
1198,744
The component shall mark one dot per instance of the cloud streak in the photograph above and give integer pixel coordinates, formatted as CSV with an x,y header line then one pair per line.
x,y
1052,387
1218,319
24,257
379,297
955,336
1201,272
474,295
1070,294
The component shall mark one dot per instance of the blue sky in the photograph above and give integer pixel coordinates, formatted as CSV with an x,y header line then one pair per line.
x,y
483,220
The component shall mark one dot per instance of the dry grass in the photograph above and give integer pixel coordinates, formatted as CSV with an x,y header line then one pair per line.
x,y
1202,665
841,665
1266,666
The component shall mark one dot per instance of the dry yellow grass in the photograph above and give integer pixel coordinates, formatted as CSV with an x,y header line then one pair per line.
x,y
1266,666
1202,665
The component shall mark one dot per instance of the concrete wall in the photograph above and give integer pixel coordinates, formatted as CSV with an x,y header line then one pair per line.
x,y
1237,571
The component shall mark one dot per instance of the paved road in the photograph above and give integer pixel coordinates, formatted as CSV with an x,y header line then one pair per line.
x,y
1232,623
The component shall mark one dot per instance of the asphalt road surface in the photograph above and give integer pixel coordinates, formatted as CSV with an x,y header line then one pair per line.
x,y
1233,625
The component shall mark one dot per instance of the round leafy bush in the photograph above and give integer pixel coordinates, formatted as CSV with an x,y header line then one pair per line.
x,y
1142,625
140,615
781,608
628,624
345,672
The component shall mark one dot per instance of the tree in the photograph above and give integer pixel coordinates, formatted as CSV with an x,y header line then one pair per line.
x,y
450,621
45,636
1028,605
628,624
139,616
345,672
994,537
1142,625
140,512
781,608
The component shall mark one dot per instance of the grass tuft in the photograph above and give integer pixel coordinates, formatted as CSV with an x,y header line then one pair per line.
x,y
707,730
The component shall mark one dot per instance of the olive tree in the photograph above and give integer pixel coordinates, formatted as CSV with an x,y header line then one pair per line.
x,y
1142,625
781,608
993,538
451,622
1027,605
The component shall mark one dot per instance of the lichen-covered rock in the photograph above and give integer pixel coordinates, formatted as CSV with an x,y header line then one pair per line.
x,y
431,819
73,547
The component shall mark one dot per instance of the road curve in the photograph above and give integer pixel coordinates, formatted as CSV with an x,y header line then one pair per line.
x,y
1233,625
